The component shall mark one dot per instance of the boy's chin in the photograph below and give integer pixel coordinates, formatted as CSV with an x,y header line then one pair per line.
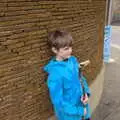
x,y
68,57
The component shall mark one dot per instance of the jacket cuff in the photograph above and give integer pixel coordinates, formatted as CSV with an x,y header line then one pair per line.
x,y
88,94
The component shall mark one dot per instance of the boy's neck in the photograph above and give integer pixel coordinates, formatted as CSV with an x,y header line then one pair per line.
x,y
59,58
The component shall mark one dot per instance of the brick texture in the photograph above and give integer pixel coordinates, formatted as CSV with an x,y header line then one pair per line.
x,y
24,25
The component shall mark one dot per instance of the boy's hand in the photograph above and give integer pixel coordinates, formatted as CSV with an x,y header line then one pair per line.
x,y
85,63
84,99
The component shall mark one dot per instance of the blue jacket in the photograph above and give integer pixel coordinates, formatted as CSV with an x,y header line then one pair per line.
x,y
65,89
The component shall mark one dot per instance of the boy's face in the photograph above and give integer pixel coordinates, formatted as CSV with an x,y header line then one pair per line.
x,y
63,53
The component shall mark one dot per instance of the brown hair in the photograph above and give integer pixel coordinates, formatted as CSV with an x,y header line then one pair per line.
x,y
59,39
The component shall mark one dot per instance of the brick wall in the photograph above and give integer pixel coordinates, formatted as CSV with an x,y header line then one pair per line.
x,y
24,25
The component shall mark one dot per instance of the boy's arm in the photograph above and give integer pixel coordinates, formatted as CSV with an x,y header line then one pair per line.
x,y
55,86
86,87
83,64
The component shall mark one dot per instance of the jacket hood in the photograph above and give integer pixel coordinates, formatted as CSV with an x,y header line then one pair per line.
x,y
54,65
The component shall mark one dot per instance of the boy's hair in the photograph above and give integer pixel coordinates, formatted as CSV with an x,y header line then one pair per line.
x,y
59,39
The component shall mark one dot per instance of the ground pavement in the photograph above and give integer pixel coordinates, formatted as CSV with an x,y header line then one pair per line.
x,y
109,106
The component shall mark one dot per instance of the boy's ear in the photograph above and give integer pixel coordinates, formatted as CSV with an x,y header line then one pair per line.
x,y
54,50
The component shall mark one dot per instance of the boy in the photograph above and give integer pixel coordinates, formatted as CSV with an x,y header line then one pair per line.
x,y
70,101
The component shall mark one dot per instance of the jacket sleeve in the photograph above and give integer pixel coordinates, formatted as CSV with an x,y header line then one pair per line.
x,y
55,86
87,89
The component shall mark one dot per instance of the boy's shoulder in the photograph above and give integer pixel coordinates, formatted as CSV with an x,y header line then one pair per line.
x,y
74,59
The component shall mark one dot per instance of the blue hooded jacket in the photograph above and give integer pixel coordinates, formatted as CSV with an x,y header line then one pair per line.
x,y
65,89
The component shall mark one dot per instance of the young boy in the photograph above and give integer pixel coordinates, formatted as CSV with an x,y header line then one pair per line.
x,y
65,84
